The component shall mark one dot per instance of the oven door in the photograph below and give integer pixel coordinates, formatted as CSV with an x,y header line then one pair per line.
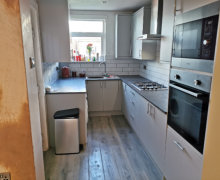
x,y
187,114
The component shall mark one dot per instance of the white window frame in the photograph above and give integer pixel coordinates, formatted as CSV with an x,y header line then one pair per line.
x,y
91,34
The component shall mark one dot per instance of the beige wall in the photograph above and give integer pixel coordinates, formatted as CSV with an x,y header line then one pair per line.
x,y
211,167
16,151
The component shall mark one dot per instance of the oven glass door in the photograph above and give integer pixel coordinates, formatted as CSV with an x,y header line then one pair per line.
x,y
187,114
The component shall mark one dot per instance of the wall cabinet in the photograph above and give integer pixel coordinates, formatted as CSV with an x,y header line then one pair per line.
x,y
54,26
104,95
142,50
182,161
123,34
187,5
148,122
167,31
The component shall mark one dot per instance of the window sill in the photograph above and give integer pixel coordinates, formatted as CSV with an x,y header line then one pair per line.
x,y
79,62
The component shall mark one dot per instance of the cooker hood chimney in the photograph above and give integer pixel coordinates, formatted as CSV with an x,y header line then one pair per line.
x,y
156,21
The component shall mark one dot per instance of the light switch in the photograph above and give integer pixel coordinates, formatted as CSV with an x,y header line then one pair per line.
x,y
5,176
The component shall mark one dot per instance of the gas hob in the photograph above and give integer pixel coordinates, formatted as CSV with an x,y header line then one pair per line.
x,y
149,86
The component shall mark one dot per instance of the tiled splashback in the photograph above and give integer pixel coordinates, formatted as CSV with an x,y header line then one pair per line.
x,y
115,67
156,71
50,73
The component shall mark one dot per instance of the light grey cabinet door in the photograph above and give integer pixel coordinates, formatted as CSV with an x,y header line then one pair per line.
x,y
152,130
111,96
167,31
138,21
54,26
142,50
95,95
123,36
182,161
187,5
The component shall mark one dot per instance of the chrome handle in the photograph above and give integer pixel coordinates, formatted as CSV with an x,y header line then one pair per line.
x,y
148,108
179,145
186,91
132,117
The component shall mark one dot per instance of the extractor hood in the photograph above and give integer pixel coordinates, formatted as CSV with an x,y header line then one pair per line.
x,y
156,21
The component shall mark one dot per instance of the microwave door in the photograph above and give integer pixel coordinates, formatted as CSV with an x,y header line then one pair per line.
x,y
177,42
192,37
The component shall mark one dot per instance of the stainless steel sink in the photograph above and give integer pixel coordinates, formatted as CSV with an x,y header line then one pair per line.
x,y
95,77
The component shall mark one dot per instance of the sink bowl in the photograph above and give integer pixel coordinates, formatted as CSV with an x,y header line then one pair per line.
x,y
95,77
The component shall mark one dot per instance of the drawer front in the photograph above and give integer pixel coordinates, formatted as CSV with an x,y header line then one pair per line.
x,y
182,161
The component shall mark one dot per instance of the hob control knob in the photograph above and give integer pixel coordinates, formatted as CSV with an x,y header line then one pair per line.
x,y
197,82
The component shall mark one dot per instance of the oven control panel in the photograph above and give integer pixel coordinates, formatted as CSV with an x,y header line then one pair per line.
x,y
195,80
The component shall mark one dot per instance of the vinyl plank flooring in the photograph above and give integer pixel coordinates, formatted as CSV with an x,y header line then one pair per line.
x,y
113,152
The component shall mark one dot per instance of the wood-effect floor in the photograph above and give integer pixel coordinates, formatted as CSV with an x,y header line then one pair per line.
x,y
113,153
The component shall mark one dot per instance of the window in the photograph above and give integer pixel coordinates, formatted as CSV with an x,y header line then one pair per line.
x,y
87,40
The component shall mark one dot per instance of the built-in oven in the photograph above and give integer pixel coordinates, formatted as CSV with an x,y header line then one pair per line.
x,y
188,105
195,38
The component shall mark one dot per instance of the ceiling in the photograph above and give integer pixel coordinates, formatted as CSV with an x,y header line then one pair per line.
x,y
107,5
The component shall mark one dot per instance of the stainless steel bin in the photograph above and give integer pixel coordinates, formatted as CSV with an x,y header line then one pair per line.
x,y
67,131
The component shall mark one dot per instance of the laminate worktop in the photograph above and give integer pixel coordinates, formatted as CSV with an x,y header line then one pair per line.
x,y
69,85
158,98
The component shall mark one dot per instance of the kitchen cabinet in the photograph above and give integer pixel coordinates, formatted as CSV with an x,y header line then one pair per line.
x,y
142,50
54,26
167,31
95,95
56,102
182,161
148,122
187,5
104,95
123,34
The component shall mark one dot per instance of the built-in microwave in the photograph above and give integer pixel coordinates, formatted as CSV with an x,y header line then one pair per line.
x,y
194,39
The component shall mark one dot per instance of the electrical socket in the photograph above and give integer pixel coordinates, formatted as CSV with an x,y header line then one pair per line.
x,y
145,67
5,176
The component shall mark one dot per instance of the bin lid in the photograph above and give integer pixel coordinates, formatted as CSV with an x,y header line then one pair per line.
x,y
68,113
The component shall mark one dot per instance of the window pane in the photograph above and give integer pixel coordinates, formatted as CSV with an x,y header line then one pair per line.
x,y
79,45
86,26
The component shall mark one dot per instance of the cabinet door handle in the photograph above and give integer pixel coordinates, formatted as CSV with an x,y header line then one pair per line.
x,y
101,85
132,93
179,145
132,117
148,108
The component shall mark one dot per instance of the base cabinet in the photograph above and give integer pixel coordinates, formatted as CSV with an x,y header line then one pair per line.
x,y
148,122
104,95
182,161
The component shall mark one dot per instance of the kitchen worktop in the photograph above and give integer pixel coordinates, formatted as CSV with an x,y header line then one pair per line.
x,y
70,85
158,98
